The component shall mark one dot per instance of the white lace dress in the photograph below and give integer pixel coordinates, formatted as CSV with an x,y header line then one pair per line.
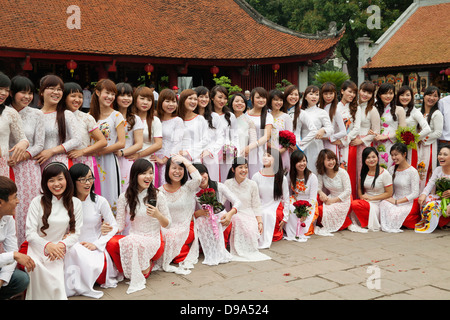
x,y
269,206
181,205
212,243
244,231
27,174
82,266
143,241
334,215
73,140
406,184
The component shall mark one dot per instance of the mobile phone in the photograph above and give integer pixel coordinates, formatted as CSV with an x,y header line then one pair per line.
x,y
152,202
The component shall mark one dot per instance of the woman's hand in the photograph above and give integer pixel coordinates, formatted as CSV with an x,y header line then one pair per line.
x,y
421,199
55,250
105,228
88,245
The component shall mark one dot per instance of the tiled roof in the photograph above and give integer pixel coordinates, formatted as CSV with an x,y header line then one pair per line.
x,y
424,39
201,29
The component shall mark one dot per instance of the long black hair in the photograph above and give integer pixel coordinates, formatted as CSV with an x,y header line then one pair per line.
x,y
428,91
399,147
80,170
238,161
201,91
365,168
5,82
385,88
131,194
279,173
202,169
296,157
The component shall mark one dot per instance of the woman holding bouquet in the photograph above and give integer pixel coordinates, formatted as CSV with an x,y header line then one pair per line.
x,y
274,194
414,119
333,207
303,186
401,208
428,147
281,122
209,225
181,245
247,225
435,197
391,117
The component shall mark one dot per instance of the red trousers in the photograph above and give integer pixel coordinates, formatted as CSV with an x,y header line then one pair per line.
x,y
113,249
186,246
277,233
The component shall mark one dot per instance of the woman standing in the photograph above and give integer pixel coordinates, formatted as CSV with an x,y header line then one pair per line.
x,y
144,108
414,119
180,194
61,135
274,194
87,262
321,121
428,147
172,130
429,201
247,225
27,172
303,185
54,223
351,113
142,247
336,205
263,123
391,117
210,229
228,149
111,124
394,211
87,130
370,123
134,130
215,133
375,185
195,138
281,121
245,127
328,101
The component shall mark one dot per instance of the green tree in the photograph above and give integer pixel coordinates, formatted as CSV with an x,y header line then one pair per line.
x,y
226,82
311,16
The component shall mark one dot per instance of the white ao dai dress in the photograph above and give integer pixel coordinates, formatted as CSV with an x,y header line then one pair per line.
x,y
340,131
47,281
269,206
321,120
280,123
73,140
244,231
305,131
414,120
149,139
124,163
406,184
27,174
107,164
144,239
195,137
212,244
334,215
172,138
82,266
230,140
214,144
181,205
301,191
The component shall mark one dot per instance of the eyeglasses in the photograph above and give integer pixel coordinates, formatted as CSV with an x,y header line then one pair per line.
x,y
57,89
84,180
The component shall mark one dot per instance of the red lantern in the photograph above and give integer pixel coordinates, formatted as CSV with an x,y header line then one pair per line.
x,y
71,65
27,65
214,70
447,72
275,68
149,69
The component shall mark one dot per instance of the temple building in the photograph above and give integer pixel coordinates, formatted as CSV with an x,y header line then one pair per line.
x,y
159,42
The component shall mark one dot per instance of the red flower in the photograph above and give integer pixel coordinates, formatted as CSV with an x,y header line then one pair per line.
x,y
286,138
300,203
407,137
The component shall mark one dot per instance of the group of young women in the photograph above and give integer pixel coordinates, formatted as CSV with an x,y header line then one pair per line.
x,y
116,192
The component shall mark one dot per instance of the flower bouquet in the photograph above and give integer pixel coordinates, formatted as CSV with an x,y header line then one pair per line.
x,y
208,200
302,210
229,151
407,136
286,138
443,184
